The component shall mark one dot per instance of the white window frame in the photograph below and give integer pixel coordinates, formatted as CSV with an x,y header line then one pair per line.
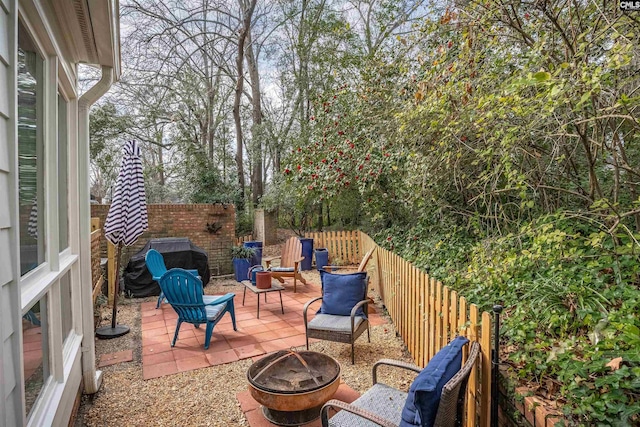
x,y
64,351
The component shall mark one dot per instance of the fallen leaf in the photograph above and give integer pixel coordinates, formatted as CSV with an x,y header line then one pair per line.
x,y
615,363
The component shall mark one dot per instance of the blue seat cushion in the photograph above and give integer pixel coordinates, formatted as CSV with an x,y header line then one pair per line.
x,y
424,394
341,292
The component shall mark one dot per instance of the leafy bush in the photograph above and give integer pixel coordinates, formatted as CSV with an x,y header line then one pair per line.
x,y
570,293
242,252
244,222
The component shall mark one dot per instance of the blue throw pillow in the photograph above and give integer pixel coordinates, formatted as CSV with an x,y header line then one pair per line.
x,y
424,394
340,292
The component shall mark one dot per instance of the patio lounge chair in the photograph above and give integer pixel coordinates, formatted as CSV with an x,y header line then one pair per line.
x,y
344,310
156,266
289,262
387,406
361,267
184,292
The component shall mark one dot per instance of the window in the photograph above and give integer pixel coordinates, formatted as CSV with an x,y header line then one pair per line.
x,y
63,175
35,347
30,152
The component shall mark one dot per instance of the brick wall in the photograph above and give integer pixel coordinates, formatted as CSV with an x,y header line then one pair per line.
x,y
187,221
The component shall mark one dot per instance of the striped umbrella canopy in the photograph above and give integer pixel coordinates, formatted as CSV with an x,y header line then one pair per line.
x,y
126,221
127,218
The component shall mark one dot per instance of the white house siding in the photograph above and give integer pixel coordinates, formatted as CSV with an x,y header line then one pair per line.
x,y
10,371
66,354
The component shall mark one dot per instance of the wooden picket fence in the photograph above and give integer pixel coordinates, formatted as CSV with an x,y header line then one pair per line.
x,y
96,269
343,246
246,238
426,314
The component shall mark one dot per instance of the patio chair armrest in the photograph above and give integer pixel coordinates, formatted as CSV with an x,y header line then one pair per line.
x,y
357,306
268,260
223,299
306,307
355,309
330,268
395,364
333,403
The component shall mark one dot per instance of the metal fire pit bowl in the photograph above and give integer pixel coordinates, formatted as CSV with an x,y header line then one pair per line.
x,y
292,386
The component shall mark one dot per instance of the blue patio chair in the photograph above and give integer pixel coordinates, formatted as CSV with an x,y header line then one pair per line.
x,y
156,266
184,292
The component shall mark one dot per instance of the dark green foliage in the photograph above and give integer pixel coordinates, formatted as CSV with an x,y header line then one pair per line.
x,y
571,301
244,222
242,252
208,187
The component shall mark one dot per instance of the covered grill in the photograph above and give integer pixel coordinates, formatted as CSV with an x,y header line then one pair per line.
x,y
178,252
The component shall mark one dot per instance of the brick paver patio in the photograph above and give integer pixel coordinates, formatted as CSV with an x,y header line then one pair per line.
x,y
254,337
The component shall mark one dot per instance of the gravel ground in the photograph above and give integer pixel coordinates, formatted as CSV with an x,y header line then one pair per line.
x,y
207,397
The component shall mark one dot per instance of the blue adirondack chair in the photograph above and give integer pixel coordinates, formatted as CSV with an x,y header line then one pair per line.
x,y
156,266
183,291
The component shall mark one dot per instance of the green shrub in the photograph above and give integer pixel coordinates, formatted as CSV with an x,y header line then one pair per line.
x,y
242,252
570,293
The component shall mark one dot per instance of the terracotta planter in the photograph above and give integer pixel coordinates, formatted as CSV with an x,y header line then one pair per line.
x,y
263,279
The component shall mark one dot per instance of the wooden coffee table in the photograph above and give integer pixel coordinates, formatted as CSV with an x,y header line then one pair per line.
x,y
275,286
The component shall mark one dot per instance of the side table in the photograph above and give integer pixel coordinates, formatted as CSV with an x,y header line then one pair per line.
x,y
275,286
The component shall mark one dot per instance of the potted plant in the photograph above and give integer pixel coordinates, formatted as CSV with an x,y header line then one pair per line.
x,y
242,261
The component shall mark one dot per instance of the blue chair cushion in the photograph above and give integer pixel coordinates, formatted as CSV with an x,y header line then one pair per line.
x,y
424,394
340,292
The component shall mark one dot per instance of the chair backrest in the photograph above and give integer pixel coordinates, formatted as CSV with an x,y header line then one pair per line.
x,y
183,291
155,263
365,259
452,400
291,252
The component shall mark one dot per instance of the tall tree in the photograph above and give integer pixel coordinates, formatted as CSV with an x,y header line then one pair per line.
x,y
247,13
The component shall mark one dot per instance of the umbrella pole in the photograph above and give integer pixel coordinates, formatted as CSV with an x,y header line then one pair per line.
x,y
115,330
116,290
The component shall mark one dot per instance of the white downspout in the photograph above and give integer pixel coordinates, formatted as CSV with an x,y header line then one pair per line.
x,y
92,377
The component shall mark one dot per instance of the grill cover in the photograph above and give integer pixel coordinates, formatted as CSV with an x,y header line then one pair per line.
x,y
178,252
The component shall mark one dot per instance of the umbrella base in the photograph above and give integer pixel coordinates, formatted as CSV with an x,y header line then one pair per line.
x,y
107,332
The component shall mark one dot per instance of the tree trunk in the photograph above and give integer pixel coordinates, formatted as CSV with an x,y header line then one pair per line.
x,y
257,187
242,36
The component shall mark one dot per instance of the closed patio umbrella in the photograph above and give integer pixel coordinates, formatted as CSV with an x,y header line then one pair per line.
x,y
126,221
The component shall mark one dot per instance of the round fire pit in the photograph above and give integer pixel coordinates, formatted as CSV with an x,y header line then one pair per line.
x,y
293,386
